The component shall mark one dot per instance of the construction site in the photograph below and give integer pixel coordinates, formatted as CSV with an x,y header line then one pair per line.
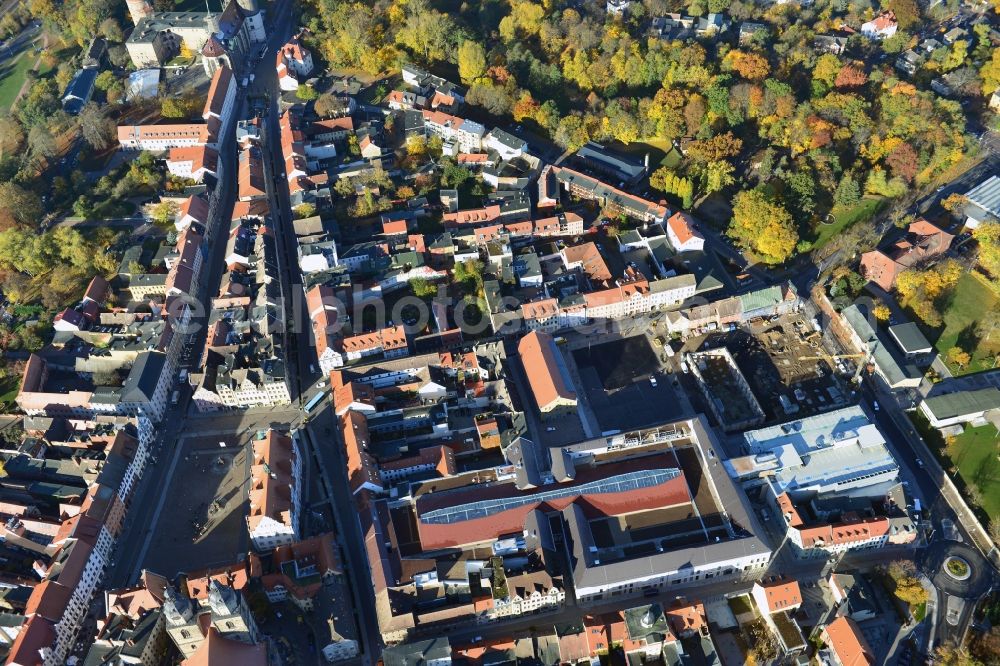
x,y
726,390
785,357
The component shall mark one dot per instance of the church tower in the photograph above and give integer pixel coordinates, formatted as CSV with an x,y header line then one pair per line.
x,y
230,615
182,622
211,20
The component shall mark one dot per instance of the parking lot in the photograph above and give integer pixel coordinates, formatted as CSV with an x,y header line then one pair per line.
x,y
616,376
203,523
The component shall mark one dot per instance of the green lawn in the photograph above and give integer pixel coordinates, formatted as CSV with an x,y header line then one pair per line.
x,y
8,391
740,605
44,69
843,218
660,151
12,78
975,455
970,298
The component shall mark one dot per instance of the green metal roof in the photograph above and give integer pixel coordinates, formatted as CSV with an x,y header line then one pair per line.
x,y
768,297
950,405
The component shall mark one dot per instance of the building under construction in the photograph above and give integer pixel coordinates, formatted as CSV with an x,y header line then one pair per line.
x,y
785,357
726,390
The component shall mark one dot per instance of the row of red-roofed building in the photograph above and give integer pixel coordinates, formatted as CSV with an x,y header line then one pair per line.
x,y
70,547
242,365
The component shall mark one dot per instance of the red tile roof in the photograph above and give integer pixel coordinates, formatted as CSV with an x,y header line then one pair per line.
x,y
845,639
270,479
216,650
36,634
543,309
196,207
361,468
436,536
257,208
183,131
688,619
134,601
97,290
199,156
923,241
442,457
842,533
222,79
394,227
236,575
683,226
251,175
544,370
333,124
319,552
781,595
48,599
472,216
590,259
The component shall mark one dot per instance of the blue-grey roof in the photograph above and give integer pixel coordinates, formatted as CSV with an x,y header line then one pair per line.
x,y
895,370
144,376
986,197
814,432
623,165
79,90
507,139
417,653
472,127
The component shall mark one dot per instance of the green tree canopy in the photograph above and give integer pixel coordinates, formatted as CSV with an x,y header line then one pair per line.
x,y
763,226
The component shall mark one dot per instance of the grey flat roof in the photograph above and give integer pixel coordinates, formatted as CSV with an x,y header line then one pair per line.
x,y
909,338
727,497
814,432
613,573
986,195
961,403
417,653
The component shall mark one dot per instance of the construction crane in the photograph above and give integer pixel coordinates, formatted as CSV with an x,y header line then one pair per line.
x,y
832,357
827,357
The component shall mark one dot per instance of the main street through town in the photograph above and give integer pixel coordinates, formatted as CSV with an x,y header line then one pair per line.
x,y
327,452
150,496
182,421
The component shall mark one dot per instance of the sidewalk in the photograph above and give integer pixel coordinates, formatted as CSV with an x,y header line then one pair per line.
x,y
34,68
